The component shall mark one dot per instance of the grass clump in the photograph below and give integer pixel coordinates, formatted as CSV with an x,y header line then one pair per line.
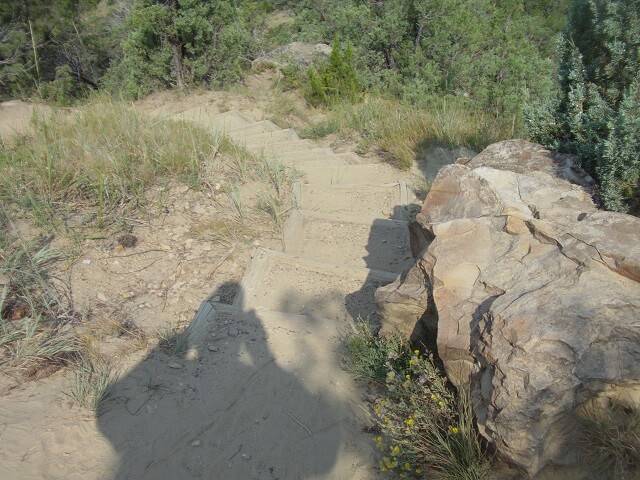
x,y
425,427
102,156
92,381
36,314
610,435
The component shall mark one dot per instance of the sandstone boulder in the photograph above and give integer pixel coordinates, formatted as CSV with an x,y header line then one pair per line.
x,y
536,293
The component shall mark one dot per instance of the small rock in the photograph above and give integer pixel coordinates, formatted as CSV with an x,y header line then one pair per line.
x,y
195,443
127,240
232,331
213,348
246,457
86,261
175,365
102,297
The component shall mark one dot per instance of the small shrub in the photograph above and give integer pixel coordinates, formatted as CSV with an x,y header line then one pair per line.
x,y
426,428
610,435
334,80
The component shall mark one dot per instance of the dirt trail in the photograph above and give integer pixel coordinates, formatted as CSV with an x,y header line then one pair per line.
x,y
260,392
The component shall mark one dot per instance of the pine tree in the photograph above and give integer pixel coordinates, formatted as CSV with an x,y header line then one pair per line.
x,y
596,114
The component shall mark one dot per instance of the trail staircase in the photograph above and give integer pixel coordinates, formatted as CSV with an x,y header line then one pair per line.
x,y
347,237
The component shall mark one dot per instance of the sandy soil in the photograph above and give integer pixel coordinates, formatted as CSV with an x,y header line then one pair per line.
x,y
259,397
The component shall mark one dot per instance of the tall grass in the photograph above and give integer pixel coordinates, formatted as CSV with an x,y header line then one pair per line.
x,y
35,312
404,131
105,154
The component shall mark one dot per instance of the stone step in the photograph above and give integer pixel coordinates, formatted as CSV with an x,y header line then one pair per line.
x,y
273,380
282,147
222,122
378,244
269,139
263,126
278,281
364,174
366,201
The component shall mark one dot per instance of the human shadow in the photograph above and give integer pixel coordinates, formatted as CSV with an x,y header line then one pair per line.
x,y
245,402
388,256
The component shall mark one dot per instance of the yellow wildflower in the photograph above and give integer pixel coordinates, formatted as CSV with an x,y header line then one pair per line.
x,y
433,396
407,376
395,450
453,430
407,466
379,439
417,352
441,403
412,362
409,421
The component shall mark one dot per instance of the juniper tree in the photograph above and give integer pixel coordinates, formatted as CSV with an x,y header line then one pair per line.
x,y
596,114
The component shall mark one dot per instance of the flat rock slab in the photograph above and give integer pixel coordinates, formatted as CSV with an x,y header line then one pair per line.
x,y
280,282
382,201
378,244
262,397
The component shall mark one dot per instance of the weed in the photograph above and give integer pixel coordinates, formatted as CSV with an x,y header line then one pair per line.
x,y
610,435
271,205
233,194
321,129
172,342
92,381
425,427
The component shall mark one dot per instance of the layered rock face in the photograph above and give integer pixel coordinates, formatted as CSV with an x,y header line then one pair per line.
x,y
536,294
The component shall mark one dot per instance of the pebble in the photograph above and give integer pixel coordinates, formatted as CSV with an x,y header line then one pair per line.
x,y
86,261
195,443
233,332
175,365
103,298
213,348
246,457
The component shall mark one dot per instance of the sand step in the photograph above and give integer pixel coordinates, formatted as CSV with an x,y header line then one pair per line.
x,y
366,201
364,174
256,371
278,281
222,122
326,159
378,244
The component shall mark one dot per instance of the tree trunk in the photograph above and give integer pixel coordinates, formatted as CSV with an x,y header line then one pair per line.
x,y
178,64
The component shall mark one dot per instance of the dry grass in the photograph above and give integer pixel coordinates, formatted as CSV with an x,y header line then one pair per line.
x,y
610,435
102,157
404,132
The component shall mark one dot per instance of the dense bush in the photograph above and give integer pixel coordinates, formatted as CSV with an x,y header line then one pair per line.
x,y
596,113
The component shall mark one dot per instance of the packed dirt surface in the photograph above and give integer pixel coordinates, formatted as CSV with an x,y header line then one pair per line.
x,y
254,393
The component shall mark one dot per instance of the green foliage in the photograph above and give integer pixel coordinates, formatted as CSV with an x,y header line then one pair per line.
x,y
596,114
484,51
334,80
180,44
426,429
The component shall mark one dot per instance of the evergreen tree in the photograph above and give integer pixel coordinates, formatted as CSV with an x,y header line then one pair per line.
x,y
173,43
597,111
